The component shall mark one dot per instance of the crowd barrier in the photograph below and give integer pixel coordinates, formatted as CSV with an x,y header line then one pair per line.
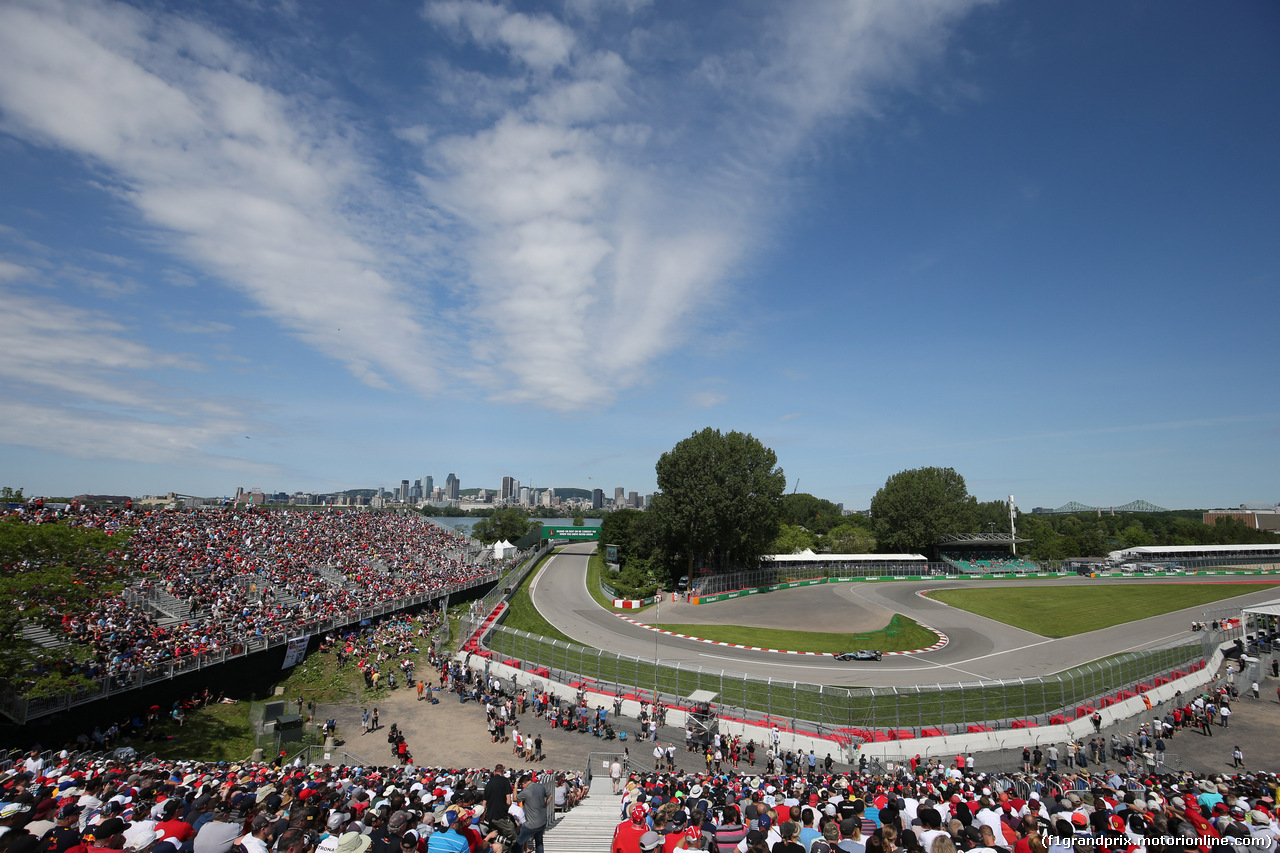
x,y
852,742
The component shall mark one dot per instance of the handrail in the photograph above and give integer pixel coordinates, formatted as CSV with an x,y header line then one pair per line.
x,y
22,709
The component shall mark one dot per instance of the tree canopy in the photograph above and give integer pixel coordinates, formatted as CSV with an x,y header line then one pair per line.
x,y
47,570
915,508
719,498
508,523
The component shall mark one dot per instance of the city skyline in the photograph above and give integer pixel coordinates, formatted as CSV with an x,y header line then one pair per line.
x,y
245,243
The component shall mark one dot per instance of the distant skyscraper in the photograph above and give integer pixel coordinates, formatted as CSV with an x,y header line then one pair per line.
x,y
509,486
634,500
597,498
525,494
452,489
404,490
619,495
428,485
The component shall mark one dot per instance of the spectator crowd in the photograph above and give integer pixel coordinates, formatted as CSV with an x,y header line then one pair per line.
x,y
65,804
240,574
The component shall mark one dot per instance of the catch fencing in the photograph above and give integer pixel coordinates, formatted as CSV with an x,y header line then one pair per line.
x,y
847,714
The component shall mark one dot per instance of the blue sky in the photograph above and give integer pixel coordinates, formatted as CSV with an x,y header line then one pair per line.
x,y
333,245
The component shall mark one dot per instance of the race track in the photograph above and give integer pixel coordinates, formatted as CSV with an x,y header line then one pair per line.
x,y
978,648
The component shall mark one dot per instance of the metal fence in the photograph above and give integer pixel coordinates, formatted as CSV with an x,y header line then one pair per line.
x,y
22,709
839,711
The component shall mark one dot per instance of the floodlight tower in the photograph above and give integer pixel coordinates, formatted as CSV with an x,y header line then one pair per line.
x,y
1013,526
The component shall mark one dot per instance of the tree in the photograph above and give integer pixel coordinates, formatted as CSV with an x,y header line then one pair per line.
x,y
47,571
792,539
809,512
916,508
718,501
579,521
850,538
508,523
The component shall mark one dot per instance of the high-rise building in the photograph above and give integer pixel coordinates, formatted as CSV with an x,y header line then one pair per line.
x,y
634,500
452,488
619,496
428,485
525,494
597,498
403,492
509,486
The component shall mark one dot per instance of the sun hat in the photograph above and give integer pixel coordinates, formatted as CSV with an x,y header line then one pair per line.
x,y
353,842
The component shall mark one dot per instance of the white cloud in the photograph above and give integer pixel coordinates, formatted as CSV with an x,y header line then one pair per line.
x,y
607,206
11,272
707,399
582,203
73,382
538,41
254,186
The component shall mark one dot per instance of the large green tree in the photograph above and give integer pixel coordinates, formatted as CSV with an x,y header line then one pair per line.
x,y
46,571
917,507
809,512
509,523
718,501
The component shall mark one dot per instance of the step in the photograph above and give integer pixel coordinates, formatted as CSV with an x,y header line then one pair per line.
x,y
589,827
42,636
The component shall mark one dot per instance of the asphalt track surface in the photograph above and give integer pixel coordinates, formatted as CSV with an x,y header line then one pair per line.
x,y
978,648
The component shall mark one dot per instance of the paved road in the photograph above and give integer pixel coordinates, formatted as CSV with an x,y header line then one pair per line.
x,y
979,648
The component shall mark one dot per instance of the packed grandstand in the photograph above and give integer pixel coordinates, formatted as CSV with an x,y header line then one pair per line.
x,y
207,581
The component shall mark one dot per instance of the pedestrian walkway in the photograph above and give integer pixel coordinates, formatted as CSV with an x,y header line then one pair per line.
x,y
588,827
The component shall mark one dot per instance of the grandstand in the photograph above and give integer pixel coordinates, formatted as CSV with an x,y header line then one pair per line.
x,y
985,554
1197,556
208,586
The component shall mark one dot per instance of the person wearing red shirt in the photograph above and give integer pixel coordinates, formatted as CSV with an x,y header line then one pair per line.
x,y
626,836
174,828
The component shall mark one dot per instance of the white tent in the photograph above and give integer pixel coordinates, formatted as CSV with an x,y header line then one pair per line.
x,y
1266,608
503,549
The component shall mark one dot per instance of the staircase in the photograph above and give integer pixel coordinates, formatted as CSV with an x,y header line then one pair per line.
x,y
42,636
588,828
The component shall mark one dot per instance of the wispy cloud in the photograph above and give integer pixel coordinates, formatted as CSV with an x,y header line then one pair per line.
x,y
74,382
586,190
609,184
254,186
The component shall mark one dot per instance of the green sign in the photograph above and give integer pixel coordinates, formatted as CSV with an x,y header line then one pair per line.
x,y
570,532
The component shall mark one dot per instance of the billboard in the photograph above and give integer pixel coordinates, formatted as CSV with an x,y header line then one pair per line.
x,y
295,651
571,533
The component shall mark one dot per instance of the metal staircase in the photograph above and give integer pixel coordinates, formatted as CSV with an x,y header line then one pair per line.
x,y
588,828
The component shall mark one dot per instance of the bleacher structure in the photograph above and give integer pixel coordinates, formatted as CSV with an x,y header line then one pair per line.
x,y
985,554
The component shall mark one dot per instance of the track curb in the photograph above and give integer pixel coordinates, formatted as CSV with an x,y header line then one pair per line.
x,y
942,641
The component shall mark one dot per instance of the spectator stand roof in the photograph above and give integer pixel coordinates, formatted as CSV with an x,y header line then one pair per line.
x,y
1166,552
1266,608
978,540
808,556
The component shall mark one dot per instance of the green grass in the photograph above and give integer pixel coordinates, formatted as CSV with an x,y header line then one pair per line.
x,y
901,634
595,570
212,733
523,616
1064,611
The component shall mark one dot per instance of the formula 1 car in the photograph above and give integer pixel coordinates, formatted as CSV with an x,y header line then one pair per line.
x,y
865,654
